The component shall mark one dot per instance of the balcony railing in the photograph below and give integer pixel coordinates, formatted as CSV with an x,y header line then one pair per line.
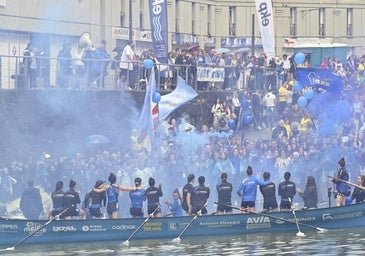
x,y
96,74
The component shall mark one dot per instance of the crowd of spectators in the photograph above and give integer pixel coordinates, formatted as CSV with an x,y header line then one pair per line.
x,y
290,142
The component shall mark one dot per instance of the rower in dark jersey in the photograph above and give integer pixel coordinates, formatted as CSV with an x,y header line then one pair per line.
x,y
200,197
112,192
153,195
224,189
71,200
94,201
187,191
287,191
268,193
137,197
57,200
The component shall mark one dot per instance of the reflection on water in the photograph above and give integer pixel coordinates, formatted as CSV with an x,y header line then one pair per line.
x,y
339,242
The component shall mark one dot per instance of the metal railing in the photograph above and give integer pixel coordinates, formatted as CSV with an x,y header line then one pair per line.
x,y
90,74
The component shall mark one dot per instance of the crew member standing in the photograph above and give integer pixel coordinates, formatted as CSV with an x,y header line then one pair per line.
x,y
343,190
94,201
187,191
200,197
224,189
248,190
31,202
112,193
287,191
268,193
137,197
153,195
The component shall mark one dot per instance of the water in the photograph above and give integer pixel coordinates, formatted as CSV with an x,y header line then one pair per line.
x,y
335,242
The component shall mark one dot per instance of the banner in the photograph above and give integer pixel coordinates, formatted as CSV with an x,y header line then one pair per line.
x,y
210,74
148,118
158,19
183,93
266,24
318,77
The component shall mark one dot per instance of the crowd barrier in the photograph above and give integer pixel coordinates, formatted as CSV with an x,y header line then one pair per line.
x,y
51,73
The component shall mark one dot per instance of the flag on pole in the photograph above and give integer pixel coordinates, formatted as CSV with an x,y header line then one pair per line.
x,y
319,77
148,118
158,19
266,24
183,93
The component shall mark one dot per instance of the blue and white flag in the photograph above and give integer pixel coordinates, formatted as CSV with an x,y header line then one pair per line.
x,y
319,77
183,93
266,24
158,19
148,118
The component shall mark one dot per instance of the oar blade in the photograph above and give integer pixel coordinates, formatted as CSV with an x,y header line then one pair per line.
x,y
300,234
176,240
8,249
126,242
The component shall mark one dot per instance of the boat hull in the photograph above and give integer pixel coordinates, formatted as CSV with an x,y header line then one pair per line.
x,y
62,231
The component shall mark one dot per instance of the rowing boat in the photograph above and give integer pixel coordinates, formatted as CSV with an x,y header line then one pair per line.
x,y
63,231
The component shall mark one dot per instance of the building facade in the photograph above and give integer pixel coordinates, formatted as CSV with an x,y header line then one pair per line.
x,y
210,23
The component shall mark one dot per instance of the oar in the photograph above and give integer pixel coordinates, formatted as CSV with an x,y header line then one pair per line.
x,y
126,242
322,230
348,182
177,239
34,232
299,233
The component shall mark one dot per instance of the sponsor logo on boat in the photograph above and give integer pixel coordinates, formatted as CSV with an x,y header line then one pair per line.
x,y
64,229
258,222
328,216
93,228
124,227
32,227
8,228
153,226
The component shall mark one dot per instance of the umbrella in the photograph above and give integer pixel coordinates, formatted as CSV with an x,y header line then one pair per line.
x,y
242,50
97,139
222,50
194,47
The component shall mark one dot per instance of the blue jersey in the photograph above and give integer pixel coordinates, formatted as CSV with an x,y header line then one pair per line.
x,y
249,188
176,208
112,193
137,197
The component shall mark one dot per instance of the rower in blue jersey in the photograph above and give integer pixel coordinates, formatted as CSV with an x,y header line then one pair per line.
x,y
248,190
112,192
137,197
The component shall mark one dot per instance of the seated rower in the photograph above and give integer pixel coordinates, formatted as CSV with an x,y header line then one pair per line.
x,y
71,199
57,200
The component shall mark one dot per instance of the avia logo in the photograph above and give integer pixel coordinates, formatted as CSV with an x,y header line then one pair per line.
x,y
264,14
257,220
327,216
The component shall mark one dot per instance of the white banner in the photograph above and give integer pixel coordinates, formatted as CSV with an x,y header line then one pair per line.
x,y
210,74
266,24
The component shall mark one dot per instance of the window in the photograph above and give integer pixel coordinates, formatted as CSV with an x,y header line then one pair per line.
x,y
322,22
293,21
349,30
232,20
209,19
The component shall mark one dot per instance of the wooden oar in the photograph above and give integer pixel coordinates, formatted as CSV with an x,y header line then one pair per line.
x,y
279,218
35,231
299,233
177,239
126,242
348,182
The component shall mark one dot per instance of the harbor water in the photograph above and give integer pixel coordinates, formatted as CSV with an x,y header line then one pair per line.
x,y
334,242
